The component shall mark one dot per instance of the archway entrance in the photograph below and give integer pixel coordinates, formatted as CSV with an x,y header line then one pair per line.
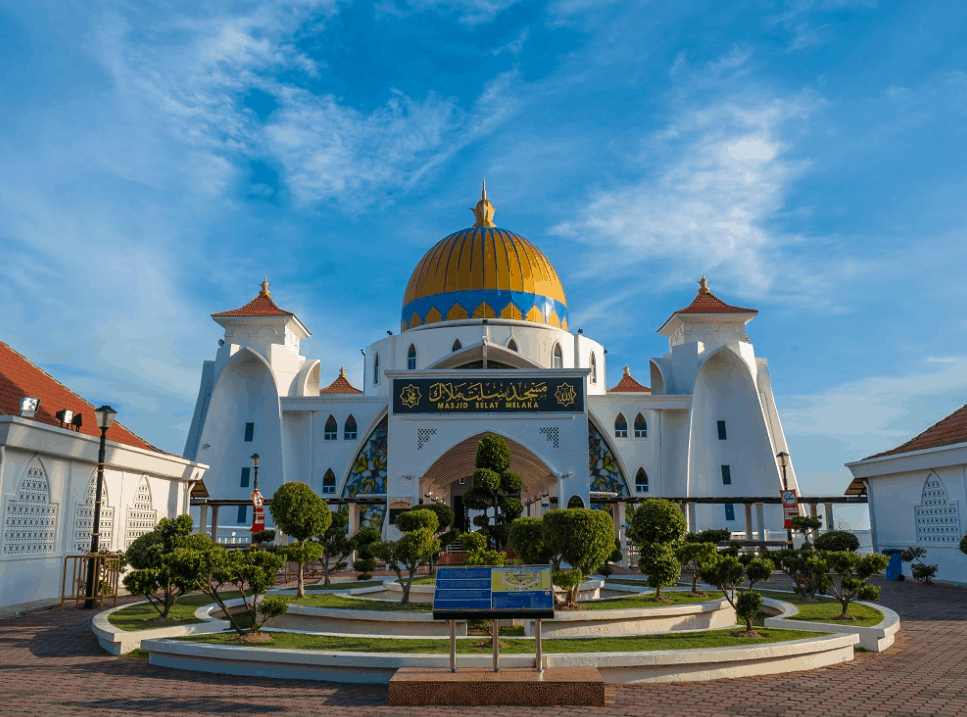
x,y
450,475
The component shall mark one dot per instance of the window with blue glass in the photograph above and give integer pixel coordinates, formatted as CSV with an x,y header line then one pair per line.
x,y
456,345
726,475
249,432
246,473
375,369
332,429
641,427
729,511
243,514
621,426
411,358
641,481
721,427
350,433
329,482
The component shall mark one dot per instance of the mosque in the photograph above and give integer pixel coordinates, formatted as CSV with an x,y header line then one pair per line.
x,y
486,347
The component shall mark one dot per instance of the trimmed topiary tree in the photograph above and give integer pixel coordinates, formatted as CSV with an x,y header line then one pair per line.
x,y
690,554
151,576
335,546
301,514
605,568
794,563
494,487
443,532
920,571
251,572
663,568
657,521
526,537
853,570
581,537
413,549
727,573
837,540
747,606
478,553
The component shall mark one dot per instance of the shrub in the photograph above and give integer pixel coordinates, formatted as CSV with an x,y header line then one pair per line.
x,y
657,521
363,543
526,537
691,553
837,540
963,544
336,546
494,486
413,549
263,537
853,570
726,572
581,537
921,572
712,535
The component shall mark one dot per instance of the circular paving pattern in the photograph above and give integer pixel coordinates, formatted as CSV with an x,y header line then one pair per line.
x,y
50,664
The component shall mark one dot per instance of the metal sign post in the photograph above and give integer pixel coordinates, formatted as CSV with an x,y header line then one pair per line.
x,y
495,630
453,645
540,652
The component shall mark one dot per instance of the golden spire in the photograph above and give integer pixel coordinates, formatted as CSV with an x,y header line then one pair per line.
x,y
703,286
342,372
484,211
627,370
265,287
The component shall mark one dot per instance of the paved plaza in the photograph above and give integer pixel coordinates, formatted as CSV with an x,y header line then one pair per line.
x,y
52,665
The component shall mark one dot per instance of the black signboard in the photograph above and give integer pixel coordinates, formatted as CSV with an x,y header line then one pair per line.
x,y
483,593
488,395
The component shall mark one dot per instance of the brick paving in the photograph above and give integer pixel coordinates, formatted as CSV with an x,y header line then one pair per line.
x,y
50,664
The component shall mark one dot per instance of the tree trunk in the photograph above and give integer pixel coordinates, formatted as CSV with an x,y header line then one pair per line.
x,y
301,593
325,570
406,591
695,581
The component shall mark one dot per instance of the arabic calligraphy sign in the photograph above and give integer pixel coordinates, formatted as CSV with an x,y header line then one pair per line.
x,y
497,395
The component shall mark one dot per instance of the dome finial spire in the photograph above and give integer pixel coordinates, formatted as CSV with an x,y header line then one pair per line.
x,y
703,285
265,287
484,211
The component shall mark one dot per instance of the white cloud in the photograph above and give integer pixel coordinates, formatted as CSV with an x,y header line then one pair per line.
x,y
751,149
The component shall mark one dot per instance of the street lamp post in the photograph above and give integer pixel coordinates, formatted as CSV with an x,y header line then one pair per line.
x,y
104,417
256,462
783,459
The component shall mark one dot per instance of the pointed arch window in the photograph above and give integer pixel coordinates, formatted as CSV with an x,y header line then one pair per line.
x,y
512,345
594,368
350,433
411,358
456,346
557,360
375,369
641,427
621,426
641,481
332,429
329,482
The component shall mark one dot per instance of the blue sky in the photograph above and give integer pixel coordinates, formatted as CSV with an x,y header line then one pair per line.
x,y
808,157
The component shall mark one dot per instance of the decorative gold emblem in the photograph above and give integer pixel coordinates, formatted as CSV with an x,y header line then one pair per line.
x,y
565,394
410,396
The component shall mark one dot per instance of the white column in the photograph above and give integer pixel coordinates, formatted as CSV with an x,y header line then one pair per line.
x,y
690,518
828,508
619,519
760,520
748,520
203,518
214,533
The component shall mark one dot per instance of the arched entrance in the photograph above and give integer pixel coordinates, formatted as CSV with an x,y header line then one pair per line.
x,y
449,476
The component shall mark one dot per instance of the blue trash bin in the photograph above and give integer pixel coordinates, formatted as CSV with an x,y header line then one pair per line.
x,y
894,570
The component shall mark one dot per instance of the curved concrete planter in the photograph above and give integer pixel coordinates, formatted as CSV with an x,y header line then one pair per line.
x,y
637,621
589,590
118,641
874,639
615,667
363,622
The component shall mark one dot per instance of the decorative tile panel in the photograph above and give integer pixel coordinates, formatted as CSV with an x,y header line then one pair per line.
x,y
141,517
423,435
553,435
368,473
30,519
606,474
938,519
84,519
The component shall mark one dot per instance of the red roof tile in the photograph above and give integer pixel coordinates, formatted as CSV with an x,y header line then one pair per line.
x,y
947,432
20,378
711,304
628,385
261,305
340,385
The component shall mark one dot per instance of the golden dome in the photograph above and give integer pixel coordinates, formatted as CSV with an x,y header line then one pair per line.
x,y
484,272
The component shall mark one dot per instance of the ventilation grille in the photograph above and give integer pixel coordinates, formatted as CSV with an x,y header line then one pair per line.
x,y
423,435
553,435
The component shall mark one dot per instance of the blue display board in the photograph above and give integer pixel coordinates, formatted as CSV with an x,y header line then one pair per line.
x,y
475,593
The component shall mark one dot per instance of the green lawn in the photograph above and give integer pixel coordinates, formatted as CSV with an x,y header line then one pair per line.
x,y
826,609
138,617
642,643
626,581
638,601
345,602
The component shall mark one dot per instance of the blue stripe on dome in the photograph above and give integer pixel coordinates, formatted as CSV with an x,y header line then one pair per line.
x,y
497,299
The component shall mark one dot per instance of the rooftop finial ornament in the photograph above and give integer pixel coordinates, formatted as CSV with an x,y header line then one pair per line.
x,y
265,287
484,211
703,286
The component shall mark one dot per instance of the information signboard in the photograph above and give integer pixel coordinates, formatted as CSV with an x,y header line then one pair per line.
x,y
790,507
486,593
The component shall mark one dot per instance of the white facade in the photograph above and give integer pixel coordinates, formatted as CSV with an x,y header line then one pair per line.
x,y
710,375
47,479
917,498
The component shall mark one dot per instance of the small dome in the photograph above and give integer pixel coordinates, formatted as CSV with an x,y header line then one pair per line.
x,y
484,272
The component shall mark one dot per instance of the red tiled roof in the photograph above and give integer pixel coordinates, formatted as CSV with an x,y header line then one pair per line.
x,y
711,304
628,385
340,385
20,378
947,432
261,305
